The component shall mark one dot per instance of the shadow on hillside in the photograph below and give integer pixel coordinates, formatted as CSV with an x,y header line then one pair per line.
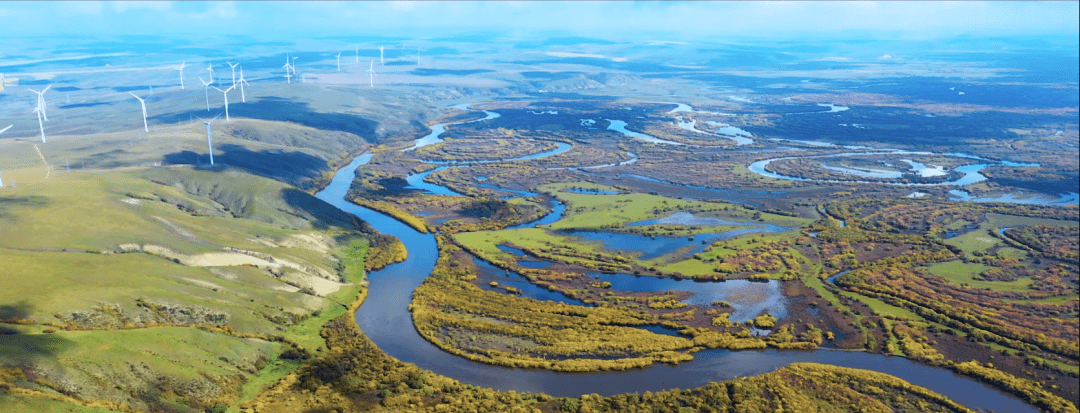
x,y
293,167
322,215
278,109
25,349
20,202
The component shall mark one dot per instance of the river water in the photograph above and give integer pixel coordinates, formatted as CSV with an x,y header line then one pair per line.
x,y
384,315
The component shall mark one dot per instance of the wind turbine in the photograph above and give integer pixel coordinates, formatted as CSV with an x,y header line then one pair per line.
x,y
233,71
5,129
209,140
381,62
339,61
206,90
181,69
40,125
241,82
210,68
41,101
288,65
225,94
371,74
357,56
143,103
418,55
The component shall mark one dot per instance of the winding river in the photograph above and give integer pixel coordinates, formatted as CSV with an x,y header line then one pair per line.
x,y
438,129
384,315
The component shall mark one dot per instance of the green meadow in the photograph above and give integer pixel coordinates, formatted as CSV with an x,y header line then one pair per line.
x,y
111,272
961,273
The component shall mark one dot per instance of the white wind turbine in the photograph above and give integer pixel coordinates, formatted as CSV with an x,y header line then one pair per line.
x,y
241,82
287,67
371,74
339,61
181,69
41,101
209,140
206,90
225,94
233,67
5,129
357,56
210,68
143,103
40,125
381,62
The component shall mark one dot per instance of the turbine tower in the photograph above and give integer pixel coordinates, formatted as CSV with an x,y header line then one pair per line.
x,y
209,140
371,74
233,67
339,61
210,68
143,103
225,94
241,82
41,101
181,69
357,59
288,66
40,125
206,90
381,62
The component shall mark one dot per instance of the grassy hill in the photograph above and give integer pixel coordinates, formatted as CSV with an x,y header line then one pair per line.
x,y
170,288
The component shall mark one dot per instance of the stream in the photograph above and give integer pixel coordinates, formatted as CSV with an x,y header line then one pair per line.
x,y
384,315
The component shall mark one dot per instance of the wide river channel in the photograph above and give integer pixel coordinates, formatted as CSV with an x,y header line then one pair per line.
x,y
385,319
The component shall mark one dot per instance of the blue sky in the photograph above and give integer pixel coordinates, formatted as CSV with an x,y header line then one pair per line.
x,y
720,21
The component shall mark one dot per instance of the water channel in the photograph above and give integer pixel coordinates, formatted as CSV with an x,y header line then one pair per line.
x,y
385,312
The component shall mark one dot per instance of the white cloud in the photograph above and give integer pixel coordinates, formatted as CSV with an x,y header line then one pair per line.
x,y
224,10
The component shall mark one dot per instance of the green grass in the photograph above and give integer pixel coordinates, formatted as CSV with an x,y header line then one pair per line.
x,y
1048,301
883,308
86,213
1013,253
17,403
961,273
183,353
595,211
1001,220
978,240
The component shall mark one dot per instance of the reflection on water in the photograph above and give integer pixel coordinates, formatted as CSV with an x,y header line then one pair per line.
x,y
863,172
723,130
620,126
655,247
748,299
970,171
686,218
1068,198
